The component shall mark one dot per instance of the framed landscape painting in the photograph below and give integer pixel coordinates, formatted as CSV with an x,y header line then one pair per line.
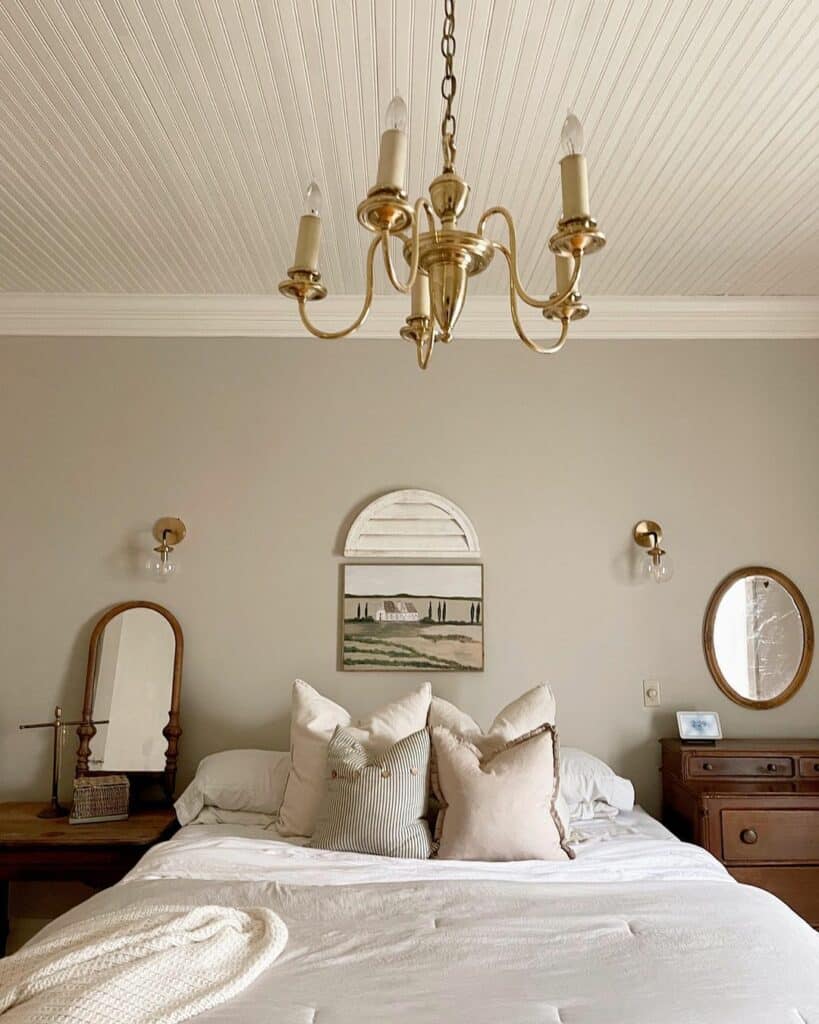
x,y
413,618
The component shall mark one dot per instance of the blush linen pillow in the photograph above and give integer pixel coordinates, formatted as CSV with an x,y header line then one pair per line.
x,y
313,721
501,806
375,803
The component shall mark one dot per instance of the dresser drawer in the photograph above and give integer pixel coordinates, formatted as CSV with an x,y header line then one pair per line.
x,y
796,886
768,836
809,767
740,767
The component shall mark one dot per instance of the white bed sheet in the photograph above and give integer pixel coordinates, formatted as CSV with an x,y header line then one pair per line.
x,y
633,847
638,929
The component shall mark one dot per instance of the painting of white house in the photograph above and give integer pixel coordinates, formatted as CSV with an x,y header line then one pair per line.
x,y
413,618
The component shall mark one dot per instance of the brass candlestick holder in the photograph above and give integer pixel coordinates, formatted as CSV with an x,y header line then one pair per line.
x,y
55,808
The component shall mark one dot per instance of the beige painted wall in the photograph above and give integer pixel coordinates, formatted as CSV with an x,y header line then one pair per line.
x,y
267,449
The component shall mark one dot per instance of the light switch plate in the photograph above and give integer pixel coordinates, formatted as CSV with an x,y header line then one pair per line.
x,y
651,693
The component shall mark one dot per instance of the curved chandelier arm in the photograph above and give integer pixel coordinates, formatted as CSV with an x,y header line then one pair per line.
x,y
513,305
406,288
511,257
365,309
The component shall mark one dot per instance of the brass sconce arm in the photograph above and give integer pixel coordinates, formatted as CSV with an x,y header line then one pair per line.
x,y
657,566
553,301
170,531
365,309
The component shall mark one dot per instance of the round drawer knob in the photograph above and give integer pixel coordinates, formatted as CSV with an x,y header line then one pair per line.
x,y
816,766
770,768
749,836
708,766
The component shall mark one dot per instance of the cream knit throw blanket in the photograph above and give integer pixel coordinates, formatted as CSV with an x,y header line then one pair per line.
x,y
140,965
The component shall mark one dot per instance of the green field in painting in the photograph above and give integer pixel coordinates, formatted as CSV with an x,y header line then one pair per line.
x,y
413,646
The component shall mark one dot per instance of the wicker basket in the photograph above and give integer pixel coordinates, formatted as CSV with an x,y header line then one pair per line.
x,y
100,798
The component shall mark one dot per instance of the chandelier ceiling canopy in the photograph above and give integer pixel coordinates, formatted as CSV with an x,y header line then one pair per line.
x,y
442,258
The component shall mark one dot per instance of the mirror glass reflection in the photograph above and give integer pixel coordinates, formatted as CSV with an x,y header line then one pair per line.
x,y
132,692
758,637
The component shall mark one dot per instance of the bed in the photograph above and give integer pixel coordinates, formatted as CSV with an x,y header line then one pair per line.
x,y
638,928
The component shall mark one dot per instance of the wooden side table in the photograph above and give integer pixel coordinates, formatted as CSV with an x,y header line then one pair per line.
x,y
99,854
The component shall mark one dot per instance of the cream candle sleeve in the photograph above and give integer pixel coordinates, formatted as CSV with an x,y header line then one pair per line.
x,y
575,186
392,159
307,244
420,295
564,268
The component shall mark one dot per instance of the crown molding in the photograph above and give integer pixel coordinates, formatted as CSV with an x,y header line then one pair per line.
x,y
486,317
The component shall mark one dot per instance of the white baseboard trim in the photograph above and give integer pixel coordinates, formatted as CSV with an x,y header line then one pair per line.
x,y
613,317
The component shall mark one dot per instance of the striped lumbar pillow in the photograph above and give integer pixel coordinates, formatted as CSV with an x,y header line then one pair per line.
x,y
376,803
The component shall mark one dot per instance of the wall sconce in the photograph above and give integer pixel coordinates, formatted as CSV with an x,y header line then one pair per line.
x,y
656,566
169,531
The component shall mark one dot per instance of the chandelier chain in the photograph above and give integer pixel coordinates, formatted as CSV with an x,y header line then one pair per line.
x,y
449,85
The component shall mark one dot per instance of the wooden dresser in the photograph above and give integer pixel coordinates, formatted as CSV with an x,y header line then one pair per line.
x,y
754,804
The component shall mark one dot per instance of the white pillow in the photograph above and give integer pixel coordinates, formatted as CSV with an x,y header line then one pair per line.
x,y
589,788
526,713
236,780
313,720
532,709
216,816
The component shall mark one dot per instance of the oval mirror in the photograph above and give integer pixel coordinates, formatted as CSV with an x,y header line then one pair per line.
x,y
131,707
758,637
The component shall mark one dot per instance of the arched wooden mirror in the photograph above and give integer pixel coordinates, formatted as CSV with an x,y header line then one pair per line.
x,y
758,637
130,717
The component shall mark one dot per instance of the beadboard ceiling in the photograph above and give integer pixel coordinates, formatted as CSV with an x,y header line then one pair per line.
x,y
162,146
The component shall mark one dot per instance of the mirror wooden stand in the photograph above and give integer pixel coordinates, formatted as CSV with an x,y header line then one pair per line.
x,y
133,681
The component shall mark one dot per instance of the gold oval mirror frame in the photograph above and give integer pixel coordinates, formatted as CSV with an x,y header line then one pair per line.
x,y
804,661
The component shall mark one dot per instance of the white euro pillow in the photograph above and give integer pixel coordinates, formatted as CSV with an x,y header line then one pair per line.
x,y
589,788
529,711
216,816
313,720
532,709
236,780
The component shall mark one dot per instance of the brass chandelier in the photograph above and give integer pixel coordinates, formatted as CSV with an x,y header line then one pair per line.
x,y
443,258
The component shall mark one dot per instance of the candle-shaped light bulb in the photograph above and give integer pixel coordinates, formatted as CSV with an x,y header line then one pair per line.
x,y
313,199
573,176
396,114
309,237
392,157
571,138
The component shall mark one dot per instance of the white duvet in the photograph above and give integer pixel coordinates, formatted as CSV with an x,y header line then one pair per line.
x,y
639,929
